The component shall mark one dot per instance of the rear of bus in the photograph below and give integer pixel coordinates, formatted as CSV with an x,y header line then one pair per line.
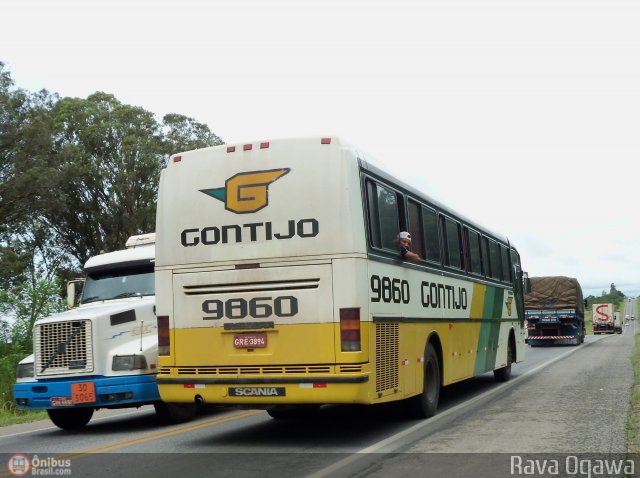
x,y
261,275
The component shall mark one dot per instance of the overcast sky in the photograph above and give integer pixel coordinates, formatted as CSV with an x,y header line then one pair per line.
x,y
524,115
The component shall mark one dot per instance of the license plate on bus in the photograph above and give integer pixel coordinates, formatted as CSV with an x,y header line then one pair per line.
x,y
249,341
83,392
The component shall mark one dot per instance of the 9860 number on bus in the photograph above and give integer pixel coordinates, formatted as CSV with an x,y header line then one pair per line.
x,y
387,289
256,308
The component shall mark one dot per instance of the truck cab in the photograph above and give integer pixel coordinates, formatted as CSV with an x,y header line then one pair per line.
x,y
101,353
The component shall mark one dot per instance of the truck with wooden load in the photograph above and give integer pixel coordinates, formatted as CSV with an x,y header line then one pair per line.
x,y
554,311
603,319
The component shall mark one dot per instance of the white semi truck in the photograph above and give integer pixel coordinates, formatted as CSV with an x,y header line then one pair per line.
x,y
102,353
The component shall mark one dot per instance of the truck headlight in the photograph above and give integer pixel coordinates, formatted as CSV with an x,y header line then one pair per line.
x,y
25,370
128,362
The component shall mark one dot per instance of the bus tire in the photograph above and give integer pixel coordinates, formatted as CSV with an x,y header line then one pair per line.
x,y
284,412
425,404
175,412
503,374
70,418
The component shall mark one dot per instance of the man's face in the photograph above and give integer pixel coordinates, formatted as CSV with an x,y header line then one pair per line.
x,y
405,242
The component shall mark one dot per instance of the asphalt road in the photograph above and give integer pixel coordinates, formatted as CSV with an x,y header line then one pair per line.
x,y
562,401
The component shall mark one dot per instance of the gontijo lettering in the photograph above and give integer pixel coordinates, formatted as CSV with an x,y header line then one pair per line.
x,y
442,295
256,231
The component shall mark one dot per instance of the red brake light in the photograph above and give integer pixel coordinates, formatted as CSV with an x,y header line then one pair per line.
x,y
177,159
350,329
164,338
325,141
231,149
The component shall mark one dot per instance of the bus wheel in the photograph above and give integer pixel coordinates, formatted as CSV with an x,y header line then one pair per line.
x,y
175,412
70,418
283,412
504,374
425,404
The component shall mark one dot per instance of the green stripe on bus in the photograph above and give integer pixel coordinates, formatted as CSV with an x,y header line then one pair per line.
x,y
489,330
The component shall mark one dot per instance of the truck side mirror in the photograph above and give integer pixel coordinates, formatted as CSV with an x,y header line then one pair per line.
x,y
73,288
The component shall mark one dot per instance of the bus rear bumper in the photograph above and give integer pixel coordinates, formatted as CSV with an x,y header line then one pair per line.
x,y
267,391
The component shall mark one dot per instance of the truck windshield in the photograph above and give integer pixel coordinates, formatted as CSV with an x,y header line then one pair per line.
x,y
117,283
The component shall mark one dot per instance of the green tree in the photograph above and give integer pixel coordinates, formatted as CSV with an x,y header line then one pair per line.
x,y
25,304
103,182
184,134
25,146
77,177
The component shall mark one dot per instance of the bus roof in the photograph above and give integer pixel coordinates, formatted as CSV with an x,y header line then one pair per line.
x,y
367,162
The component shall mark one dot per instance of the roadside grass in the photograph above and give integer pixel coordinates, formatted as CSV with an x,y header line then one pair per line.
x,y
633,438
633,424
588,321
9,415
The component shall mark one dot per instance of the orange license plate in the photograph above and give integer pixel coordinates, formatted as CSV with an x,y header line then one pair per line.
x,y
83,392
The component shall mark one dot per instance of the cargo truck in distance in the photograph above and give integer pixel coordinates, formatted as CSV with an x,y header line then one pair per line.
x,y
617,323
603,319
554,309
103,353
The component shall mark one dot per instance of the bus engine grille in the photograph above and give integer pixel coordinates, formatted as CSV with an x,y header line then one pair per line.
x,y
63,347
387,353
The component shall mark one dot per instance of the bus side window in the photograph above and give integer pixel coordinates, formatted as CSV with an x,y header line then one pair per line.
x,y
486,257
384,219
466,254
453,243
515,259
474,252
506,269
415,228
494,251
430,223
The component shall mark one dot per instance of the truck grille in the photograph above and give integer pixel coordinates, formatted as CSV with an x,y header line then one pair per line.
x,y
63,347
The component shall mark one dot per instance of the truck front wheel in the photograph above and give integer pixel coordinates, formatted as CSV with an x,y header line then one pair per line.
x,y
70,418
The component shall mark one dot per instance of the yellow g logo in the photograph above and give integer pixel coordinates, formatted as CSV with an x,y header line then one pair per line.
x,y
246,192
509,303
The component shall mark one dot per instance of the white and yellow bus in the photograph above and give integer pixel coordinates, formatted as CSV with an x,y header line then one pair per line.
x,y
280,283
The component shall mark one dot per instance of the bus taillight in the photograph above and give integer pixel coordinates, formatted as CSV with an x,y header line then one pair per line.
x,y
164,340
350,329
